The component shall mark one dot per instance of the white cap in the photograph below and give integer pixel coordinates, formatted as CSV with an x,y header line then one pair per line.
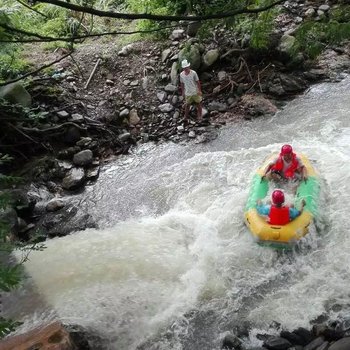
x,y
185,64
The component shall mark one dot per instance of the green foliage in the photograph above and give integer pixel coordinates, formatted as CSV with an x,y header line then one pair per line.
x,y
262,28
340,14
10,277
313,37
10,274
7,326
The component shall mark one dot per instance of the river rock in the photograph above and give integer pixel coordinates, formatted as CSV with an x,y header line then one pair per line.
x,y
314,344
55,204
174,75
92,174
83,158
72,135
231,342
192,55
165,54
134,119
49,337
16,93
292,83
166,107
342,344
210,58
193,27
84,142
277,343
74,179
170,88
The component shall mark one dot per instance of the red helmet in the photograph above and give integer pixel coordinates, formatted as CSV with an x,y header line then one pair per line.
x,y
286,149
277,197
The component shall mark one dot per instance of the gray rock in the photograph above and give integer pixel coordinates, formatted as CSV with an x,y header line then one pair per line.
x,y
310,12
314,344
55,204
210,58
161,96
277,343
174,75
124,113
192,55
134,119
83,158
63,114
286,44
64,165
76,117
166,107
170,88
324,8
126,50
72,135
84,142
231,342
342,344
145,83
217,106
92,174
180,128
124,137
292,83
74,179
165,54
16,93
192,28
222,75
192,134
177,34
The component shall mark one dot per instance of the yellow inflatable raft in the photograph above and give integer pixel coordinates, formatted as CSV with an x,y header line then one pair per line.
x,y
282,235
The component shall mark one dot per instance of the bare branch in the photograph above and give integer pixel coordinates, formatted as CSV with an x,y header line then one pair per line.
x,y
32,9
74,38
35,71
133,16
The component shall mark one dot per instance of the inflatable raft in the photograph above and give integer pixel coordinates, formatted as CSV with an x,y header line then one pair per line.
x,y
289,234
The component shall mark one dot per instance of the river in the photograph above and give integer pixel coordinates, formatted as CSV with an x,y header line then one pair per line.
x,y
172,265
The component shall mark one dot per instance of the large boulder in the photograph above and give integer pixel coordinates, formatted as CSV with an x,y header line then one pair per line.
x,y
83,158
17,94
209,58
74,179
285,47
192,55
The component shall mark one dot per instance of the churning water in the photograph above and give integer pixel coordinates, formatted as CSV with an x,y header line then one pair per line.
x,y
173,266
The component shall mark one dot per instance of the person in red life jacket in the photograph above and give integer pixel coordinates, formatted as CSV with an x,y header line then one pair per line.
x,y
287,166
278,213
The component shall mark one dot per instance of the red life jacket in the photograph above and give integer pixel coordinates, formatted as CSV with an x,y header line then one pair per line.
x,y
279,215
290,171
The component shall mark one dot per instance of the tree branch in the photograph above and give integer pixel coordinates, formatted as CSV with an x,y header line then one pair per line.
x,y
30,8
35,71
78,37
132,16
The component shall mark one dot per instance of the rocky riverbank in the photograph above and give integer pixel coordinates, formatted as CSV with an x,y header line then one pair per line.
x,y
133,98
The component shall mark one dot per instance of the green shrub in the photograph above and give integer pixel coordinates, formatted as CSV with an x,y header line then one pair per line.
x,y
314,37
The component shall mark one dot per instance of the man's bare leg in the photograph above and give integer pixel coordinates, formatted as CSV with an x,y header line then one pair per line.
x,y
199,111
187,110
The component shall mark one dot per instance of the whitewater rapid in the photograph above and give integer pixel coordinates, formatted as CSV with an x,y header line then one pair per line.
x,y
172,265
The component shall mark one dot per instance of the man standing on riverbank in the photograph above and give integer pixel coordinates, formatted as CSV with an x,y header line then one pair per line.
x,y
190,89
